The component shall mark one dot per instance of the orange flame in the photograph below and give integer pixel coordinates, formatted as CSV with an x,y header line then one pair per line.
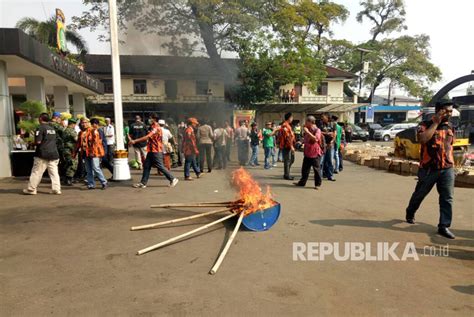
x,y
250,192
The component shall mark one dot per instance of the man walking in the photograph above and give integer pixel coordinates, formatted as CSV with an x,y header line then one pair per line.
x,y
94,153
190,150
328,131
137,130
205,138
154,155
46,157
287,145
436,137
337,143
313,142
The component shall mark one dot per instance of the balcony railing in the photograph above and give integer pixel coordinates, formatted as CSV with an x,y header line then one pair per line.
x,y
109,98
326,99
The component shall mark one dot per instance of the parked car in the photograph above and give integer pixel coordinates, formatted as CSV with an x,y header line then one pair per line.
x,y
388,132
371,127
358,133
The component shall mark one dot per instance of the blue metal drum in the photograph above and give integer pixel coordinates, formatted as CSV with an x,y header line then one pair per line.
x,y
262,220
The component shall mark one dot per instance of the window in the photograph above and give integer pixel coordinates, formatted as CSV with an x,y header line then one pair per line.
x,y
171,89
202,87
323,89
108,86
139,86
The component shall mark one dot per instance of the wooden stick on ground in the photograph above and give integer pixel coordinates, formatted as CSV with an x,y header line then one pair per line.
x,y
157,224
198,204
159,245
227,246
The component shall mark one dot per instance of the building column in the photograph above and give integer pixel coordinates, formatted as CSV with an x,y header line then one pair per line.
x,y
61,99
6,123
79,104
35,88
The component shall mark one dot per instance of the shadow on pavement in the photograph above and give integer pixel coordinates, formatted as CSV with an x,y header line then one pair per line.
x,y
466,289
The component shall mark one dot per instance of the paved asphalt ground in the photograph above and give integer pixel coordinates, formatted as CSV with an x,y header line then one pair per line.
x,y
74,254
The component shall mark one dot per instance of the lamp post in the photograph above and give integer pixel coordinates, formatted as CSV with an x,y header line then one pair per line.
x,y
121,168
362,52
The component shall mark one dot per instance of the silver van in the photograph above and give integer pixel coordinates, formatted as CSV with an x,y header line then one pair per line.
x,y
388,132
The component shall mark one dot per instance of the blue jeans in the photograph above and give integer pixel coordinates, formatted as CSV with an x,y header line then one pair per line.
x,y
273,156
326,163
154,158
190,161
254,157
268,152
93,170
336,161
444,180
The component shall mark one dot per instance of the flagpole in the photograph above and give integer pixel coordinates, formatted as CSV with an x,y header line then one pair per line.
x,y
121,168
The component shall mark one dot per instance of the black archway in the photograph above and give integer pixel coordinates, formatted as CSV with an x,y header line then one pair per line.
x,y
448,87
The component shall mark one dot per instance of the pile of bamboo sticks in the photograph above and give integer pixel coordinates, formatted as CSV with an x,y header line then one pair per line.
x,y
234,207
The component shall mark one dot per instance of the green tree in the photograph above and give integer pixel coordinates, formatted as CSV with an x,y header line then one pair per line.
x,y
387,16
45,32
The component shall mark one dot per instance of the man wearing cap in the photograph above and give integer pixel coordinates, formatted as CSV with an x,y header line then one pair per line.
x,y
436,137
70,140
46,157
154,155
168,142
190,150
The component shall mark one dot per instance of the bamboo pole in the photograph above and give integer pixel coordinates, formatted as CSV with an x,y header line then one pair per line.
x,y
159,245
227,246
199,204
157,224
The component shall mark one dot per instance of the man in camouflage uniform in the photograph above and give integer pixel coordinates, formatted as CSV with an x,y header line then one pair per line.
x,y
174,131
70,140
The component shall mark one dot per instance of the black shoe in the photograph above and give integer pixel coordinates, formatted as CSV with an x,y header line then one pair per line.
x,y
209,170
446,233
410,218
298,184
68,181
332,179
105,186
289,178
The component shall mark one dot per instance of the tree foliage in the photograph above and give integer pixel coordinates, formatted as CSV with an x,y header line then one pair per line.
x,y
45,32
386,16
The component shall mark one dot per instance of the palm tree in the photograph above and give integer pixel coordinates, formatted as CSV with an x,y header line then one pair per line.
x,y
45,32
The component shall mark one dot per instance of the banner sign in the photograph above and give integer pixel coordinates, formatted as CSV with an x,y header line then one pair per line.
x,y
246,115
61,30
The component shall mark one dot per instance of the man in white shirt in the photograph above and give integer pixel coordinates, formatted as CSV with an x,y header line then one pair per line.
x,y
167,139
109,132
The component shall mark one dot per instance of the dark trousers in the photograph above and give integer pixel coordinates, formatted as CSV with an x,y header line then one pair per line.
x,y
444,180
309,162
288,160
205,154
190,161
154,159
326,164
221,157
243,151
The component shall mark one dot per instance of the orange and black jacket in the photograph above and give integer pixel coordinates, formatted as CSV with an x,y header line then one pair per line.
x,y
437,153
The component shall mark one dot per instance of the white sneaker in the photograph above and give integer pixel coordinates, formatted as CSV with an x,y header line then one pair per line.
x,y
139,185
29,192
56,192
174,182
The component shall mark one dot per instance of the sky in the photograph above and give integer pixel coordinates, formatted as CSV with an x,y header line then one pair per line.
x,y
448,23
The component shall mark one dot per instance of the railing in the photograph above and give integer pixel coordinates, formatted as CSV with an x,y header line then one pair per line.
x,y
109,98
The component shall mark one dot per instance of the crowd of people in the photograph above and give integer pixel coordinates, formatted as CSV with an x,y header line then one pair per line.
x,y
72,152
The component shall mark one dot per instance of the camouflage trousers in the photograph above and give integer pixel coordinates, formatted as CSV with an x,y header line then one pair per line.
x,y
69,164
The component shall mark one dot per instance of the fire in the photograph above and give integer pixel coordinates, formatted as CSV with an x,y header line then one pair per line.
x,y
250,192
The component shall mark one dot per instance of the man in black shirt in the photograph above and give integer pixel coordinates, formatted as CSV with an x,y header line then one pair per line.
x,y
46,157
137,130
